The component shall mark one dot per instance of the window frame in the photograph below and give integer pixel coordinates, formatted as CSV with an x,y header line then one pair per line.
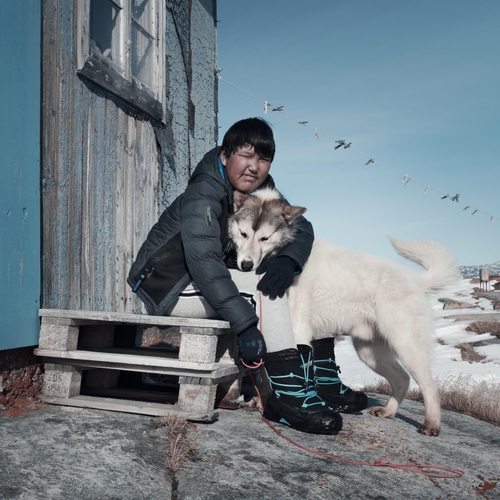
x,y
119,80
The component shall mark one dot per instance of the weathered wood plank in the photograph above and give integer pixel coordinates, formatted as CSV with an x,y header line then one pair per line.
x,y
101,71
166,366
206,326
125,360
139,407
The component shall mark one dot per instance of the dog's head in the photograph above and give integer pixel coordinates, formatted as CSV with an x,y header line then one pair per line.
x,y
261,226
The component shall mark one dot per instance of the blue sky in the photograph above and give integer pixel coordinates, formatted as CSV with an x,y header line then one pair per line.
x,y
413,84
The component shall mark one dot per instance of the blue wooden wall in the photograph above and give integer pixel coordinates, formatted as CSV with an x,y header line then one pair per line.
x,y
20,23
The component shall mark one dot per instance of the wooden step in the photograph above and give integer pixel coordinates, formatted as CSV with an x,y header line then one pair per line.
x,y
61,316
72,342
126,406
138,363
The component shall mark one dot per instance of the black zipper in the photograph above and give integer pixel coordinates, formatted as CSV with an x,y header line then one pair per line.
x,y
146,274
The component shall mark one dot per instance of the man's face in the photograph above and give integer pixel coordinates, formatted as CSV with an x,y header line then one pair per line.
x,y
246,170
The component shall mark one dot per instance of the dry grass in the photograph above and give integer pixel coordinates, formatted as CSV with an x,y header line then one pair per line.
x,y
179,445
476,399
492,327
469,354
383,387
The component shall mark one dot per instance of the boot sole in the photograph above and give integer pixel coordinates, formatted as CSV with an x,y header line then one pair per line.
x,y
346,408
277,413
283,421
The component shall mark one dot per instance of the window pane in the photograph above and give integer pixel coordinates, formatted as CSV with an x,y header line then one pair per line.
x,y
142,56
105,29
142,12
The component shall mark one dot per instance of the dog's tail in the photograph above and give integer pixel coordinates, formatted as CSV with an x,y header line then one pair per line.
x,y
439,263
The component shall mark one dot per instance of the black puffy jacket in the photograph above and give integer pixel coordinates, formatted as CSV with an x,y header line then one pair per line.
x,y
190,242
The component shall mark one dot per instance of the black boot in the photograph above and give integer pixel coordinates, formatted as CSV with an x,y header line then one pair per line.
x,y
327,381
294,401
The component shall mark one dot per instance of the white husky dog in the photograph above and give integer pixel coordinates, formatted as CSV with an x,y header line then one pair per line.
x,y
381,304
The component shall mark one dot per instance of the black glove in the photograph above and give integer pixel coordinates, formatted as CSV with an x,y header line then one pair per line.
x,y
280,273
252,345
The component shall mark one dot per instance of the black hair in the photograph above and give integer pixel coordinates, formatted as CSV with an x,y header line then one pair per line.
x,y
253,131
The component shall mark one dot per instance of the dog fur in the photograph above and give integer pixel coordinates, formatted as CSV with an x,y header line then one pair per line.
x,y
380,303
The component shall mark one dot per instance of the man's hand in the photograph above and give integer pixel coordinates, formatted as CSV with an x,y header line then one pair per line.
x,y
252,345
279,275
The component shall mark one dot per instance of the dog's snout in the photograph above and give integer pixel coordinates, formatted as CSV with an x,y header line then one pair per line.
x,y
246,265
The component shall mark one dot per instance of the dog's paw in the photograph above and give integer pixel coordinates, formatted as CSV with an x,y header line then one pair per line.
x,y
254,403
429,429
380,411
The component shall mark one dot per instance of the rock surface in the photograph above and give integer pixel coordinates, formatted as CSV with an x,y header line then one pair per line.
x,y
60,453
456,304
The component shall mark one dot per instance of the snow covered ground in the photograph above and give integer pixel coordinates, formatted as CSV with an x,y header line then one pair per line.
x,y
447,364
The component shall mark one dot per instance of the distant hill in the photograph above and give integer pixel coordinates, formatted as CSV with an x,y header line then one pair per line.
x,y
473,271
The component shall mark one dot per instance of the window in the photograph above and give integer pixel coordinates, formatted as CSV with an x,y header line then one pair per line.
x,y
105,30
142,50
122,49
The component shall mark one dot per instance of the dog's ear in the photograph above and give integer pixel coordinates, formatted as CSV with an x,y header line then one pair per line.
x,y
290,213
239,199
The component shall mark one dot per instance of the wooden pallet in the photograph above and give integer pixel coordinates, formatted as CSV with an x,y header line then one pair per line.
x,y
74,342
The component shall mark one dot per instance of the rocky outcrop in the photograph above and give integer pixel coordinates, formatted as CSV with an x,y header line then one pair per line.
x,y
455,304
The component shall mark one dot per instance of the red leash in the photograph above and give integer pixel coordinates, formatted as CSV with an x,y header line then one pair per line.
x,y
425,470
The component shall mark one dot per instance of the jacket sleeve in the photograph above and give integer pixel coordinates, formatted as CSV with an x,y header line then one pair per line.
x,y
200,210
300,248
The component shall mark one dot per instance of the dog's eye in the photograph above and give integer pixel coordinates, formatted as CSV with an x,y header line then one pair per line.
x,y
243,234
264,238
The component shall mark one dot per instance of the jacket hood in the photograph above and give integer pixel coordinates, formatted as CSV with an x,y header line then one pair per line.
x,y
209,165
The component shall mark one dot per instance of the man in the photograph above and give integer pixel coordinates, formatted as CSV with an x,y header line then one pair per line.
x,y
188,252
